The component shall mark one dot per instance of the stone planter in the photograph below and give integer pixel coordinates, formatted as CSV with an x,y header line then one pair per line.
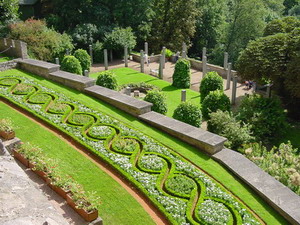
x,y
87,216
7,135
21,158
60,191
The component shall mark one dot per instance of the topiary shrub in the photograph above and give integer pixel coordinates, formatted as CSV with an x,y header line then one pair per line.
x,y
182,74
211,82
84,59
189,113
224,124
265,115
158,100
213,101
71,64
169,53
107,79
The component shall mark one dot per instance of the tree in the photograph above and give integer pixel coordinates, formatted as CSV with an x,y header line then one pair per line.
x,y
8,13
289,4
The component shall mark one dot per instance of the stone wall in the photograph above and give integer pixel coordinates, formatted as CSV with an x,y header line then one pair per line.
x,y
17,49
154,58
8,65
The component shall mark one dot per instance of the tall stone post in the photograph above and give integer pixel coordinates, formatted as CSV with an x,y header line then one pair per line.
x,y
146,49
203,52
164,56
142,61
57,61
105,59
183,95
184,54
126,56
225,60
91,53
269,90
86,73
234,86
228,72
184,48
111,55
204,66
161,69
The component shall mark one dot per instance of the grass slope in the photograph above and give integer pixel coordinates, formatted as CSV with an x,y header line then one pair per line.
x,y
112,210
235,185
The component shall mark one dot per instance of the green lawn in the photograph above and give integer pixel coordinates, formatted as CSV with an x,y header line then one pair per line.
x,y
200,159
112,210
4,58
173,95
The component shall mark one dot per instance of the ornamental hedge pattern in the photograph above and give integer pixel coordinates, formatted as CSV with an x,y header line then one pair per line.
x,y
183,192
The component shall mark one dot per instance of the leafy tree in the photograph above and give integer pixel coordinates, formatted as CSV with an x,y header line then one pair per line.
x,y
84,35
289,4
8,14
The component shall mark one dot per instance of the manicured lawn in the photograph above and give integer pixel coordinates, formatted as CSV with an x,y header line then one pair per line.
x,y
4,58
193,154
173,95
115,200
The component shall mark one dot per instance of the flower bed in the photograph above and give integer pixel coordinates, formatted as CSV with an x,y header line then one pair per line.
x,y
184,193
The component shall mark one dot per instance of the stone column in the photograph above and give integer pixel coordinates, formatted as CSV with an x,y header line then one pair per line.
x,y
105,59
268,90
229,72
225,60
57,61
86,73
184,48
142,61
164,56
91,53
183,95
127,91
234,86
184,54
161,69
111,55
203,52
204,66
126,56
146,48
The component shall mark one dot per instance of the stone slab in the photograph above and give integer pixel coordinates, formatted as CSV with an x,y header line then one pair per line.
x,y
10,144
124,102
204,140
72,80
280,197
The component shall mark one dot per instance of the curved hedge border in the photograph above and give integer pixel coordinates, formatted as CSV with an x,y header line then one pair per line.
x,y
77,120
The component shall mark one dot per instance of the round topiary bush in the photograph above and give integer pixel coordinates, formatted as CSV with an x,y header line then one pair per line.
x,y
71,64
107,79
158,100
182,74
189,113
211,82
213,101
84,59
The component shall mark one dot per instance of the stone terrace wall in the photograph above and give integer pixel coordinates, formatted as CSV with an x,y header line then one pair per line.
x,y
17,49
8,65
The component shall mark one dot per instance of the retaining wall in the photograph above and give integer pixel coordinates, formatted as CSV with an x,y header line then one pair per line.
x,y
15,48
8,65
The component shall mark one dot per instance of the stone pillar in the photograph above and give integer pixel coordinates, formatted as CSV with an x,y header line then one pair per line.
x,y
91,53
183,95
234,86
268,91
161,69
204,66
184,54
111,55
67,52
203,52
142,61
57,61
105,59
225,60
86,73
184,48
127,91
126,56
146,48
229,72
164,56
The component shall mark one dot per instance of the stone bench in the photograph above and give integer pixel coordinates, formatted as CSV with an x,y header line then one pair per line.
x,y
72,80
37,67
124,102
204,140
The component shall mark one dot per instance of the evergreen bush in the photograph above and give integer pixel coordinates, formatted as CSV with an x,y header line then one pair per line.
x,y
84,59
98,54
158,100
107,79
71,64
211,82
189,113
182,74
213,101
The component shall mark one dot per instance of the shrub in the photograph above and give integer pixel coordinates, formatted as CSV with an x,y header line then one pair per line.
x,y
71,64
98,54
158,100
213,101
265,115
84,59
182,74
107,79
84,34
169,53
211,82
224,124
188,113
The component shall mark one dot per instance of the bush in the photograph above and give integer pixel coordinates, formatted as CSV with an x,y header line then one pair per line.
x,y
71,64
84,59
158,100
182,74
188,113
224,124
211,82
265,115
107,79
213,101
98,54
84,34
169,53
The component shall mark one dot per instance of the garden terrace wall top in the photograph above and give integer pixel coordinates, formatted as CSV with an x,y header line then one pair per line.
x,y
17,49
